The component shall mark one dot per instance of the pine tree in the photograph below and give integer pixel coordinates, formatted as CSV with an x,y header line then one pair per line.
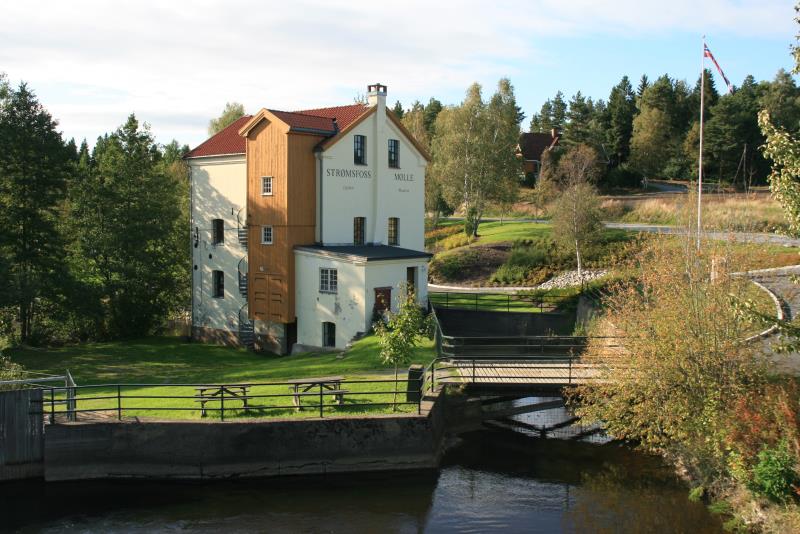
x,y
35,166
127,216
578,128
621,110
644,83
543,121
398,110
559,112
431,111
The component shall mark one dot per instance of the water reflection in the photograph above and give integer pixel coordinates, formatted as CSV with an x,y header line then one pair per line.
x,y
491,481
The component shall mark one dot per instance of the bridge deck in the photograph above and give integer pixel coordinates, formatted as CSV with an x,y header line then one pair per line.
x,y
524,373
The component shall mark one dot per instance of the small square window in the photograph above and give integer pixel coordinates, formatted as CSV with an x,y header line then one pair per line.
x,y
218,284
359,150
394,153
266,186
328,281
218,231
266,235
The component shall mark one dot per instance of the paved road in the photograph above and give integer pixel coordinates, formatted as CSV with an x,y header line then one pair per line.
x,y
780,282
742,237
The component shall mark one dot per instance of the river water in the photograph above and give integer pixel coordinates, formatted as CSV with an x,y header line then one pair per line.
x,y
491,481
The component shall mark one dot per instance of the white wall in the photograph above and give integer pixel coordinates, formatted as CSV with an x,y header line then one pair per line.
x,y
393,274
351,307
382,195
346,308
219,191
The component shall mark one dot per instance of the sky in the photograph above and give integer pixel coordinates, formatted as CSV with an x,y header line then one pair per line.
x,y
175,63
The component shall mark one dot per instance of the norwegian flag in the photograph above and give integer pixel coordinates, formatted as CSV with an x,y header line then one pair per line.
x,y
707,53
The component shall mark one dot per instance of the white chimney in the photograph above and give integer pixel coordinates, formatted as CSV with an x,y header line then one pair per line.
x,y
376,94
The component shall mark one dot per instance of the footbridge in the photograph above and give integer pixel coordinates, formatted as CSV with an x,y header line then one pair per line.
x,y
514,368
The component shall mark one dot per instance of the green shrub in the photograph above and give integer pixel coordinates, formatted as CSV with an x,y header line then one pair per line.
x,y
527,257
623,176
455,241
509,275
10,370
774,474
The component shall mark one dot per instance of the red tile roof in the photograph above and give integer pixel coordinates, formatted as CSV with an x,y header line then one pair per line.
x,y
303,122
344,115
228,140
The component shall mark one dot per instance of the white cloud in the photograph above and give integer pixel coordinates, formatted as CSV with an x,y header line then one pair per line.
x,y
176,63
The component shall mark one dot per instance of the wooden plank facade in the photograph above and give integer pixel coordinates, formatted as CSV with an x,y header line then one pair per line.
x,y
288,157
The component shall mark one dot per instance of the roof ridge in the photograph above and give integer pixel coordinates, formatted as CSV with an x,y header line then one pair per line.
x,y
300,113
304,111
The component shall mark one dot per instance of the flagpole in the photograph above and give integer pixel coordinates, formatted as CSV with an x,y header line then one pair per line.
x,y
700,159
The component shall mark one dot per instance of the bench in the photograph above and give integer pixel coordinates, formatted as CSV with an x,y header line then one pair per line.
x,y
328,385
232,392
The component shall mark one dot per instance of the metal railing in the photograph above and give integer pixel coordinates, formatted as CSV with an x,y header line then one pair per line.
x,y
508,302
552,373
34,380
259,399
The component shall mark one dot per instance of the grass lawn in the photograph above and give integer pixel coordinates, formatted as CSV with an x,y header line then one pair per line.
x,y
496,232
171,361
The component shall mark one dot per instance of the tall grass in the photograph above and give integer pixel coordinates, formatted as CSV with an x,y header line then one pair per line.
x,y
739,213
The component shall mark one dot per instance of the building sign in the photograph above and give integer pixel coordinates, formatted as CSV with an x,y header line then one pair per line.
x,y
403,177
348,173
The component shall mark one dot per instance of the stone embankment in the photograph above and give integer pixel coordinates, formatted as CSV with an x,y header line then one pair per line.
x,y
572,278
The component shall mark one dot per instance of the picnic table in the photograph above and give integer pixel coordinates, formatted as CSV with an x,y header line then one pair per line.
x,y
209,393
330,385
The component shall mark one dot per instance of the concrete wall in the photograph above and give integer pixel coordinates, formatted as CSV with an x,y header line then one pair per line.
x,y
387,192
457,322
194,450
219,191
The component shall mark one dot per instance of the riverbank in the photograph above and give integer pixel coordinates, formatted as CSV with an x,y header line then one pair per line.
x,y
488,482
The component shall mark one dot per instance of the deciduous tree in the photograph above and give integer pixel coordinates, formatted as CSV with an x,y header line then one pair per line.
x,y
474,149
232,112
576,213
399,333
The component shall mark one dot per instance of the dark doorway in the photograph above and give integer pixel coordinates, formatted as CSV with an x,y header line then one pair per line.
x,y
291,335
411,280
328,334
383,300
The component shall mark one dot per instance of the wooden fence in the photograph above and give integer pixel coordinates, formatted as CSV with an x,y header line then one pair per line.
x,y
21,434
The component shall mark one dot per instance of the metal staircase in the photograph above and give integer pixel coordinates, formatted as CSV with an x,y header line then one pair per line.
x,y
242,268
247,334
241,229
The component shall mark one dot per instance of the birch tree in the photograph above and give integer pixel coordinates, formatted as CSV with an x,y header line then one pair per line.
x,y
474,150
576,217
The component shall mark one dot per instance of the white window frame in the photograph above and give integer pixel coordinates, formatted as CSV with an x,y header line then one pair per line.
x,y
328,280
264,240
266,191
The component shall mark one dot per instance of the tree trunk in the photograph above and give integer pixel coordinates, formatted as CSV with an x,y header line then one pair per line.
x,y
578,256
